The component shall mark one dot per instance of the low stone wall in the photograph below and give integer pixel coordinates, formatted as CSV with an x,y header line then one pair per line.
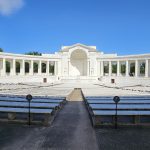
x,y
49,79
28,79
126,80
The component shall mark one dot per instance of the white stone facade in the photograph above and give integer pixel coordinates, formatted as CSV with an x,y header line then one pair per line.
x,y
76,62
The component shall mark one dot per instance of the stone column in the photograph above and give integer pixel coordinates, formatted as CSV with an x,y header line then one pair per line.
x,y
47,68
118,68
110,68
55,68
39,68
98,71
31,68
3,72
87,68
102,68
68,67
13,67
127,68
59,68
146,68
136,68
22,68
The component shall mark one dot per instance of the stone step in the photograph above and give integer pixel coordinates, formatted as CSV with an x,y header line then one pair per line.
x,y
75,95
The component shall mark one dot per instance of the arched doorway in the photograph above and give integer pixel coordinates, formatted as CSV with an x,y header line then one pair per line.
x,y
78,63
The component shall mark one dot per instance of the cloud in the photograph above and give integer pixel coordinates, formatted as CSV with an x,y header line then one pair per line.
x,y
7,7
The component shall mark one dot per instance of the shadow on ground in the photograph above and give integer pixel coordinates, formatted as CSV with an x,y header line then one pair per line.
x,y
128,138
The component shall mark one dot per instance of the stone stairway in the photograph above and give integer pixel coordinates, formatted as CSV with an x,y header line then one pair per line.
x,y
75,95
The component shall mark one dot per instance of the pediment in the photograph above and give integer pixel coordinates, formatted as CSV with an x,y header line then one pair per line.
x,y
78,46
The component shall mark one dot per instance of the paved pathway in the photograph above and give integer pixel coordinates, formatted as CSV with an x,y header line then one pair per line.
x,y
71,130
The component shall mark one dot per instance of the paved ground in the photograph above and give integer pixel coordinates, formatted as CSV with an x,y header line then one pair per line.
x,y
71,130
36,89
64,89
124,138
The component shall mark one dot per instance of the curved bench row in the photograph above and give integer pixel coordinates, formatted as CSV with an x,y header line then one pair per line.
x,y
15,109
130,111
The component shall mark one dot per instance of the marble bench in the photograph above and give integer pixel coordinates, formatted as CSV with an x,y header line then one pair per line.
x,y
139,101
121,98
98,97
26,105
131,110
19,105
125,117
48,114
120,106
10,99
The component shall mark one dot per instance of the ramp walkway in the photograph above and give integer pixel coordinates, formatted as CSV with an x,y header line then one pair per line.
x,y
72,129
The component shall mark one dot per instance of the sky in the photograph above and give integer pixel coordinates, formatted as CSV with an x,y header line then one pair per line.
x,y
114,26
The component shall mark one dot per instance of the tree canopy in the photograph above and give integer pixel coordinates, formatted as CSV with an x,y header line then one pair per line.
x,y
33,53
1,50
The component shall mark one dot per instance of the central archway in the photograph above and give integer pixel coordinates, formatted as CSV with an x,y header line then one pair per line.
x,y
78,63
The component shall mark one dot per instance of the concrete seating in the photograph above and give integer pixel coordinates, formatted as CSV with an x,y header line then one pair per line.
x,y
120,106
15,106
134,111
50,98
33,105
121,97
112,112
139,101
48,114
33,100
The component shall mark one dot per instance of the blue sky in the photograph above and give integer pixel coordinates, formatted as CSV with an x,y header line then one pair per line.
x,y
114,26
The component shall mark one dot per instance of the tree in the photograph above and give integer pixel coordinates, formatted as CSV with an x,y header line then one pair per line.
x,y
33,53
17,67
1,50
123,68
35,67
132,68
114,68
51,69
43,67
142,68
7,67
106,68
27,67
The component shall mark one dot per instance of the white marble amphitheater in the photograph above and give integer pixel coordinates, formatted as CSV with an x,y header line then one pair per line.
x,y
75,63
